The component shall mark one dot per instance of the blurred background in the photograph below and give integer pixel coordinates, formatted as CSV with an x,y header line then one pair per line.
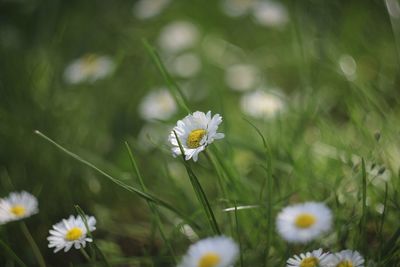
x,y
320,78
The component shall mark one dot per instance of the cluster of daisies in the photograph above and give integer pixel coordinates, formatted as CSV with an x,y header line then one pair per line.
x,y
299,223
68,233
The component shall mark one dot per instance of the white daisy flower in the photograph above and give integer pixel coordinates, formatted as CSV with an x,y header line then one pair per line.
x,y
270,13
219,251
315,258
261,104
89,68
16,206
178,36
302,223
347,258
71,232
145,9
157,105
195,132
242,77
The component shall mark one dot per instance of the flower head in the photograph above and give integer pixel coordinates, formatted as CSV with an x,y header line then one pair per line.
x,y
262,105
302,223
158,105
315,258
16,206
144,9
347,258
219,251
89,68
195,132
70,232
178,36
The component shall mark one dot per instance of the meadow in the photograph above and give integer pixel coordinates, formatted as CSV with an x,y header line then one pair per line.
x,y
104,112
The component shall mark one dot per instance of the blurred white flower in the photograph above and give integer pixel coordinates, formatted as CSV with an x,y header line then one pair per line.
x,y
178,36
219,251
242,77
195,132
88,68
261,104
347,258
304,222
236,8
157,105
315,258
270,13
348,66
186,65
146,9
16,206
71,232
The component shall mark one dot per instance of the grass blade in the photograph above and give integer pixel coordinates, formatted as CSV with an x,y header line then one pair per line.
x,y
172,86
152,207
11,253
129,188
199,191
363,219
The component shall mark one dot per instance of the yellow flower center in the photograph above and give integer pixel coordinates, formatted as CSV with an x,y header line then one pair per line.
x,y
345,264
309,262
18,210
209,260
305,220
74,234
90,63
194,138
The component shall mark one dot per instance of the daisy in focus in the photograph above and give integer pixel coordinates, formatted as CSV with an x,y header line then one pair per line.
x,y
219,251
157,105
70,233
315,258
16,206
302,223
88,68
347,258
195,132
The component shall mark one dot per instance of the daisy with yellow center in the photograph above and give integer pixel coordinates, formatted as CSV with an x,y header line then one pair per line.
x,y
219,251
71,232
315,258
302,223
16,206
195,132
347,258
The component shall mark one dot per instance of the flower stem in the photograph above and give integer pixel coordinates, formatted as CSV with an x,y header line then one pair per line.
x,y
35,248
84,253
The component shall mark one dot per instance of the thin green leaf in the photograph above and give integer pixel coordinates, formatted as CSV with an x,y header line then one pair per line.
x,y
129,188
11,254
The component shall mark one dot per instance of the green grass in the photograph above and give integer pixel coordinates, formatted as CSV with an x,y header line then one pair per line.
x,y
337,142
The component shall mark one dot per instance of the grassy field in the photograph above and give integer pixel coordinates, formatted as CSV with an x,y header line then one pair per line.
x,y
309,97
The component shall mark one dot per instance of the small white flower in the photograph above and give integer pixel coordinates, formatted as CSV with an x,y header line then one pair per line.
x,y
89,68
302,223
145,9
71,232
186,65
315,258
347,258
269,13
219,251
16,206
178,36
195,132
262,105
242,77
157,105
236,8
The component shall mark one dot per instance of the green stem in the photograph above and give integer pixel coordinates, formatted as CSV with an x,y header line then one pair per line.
x,y
11,253
35,248
84,253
